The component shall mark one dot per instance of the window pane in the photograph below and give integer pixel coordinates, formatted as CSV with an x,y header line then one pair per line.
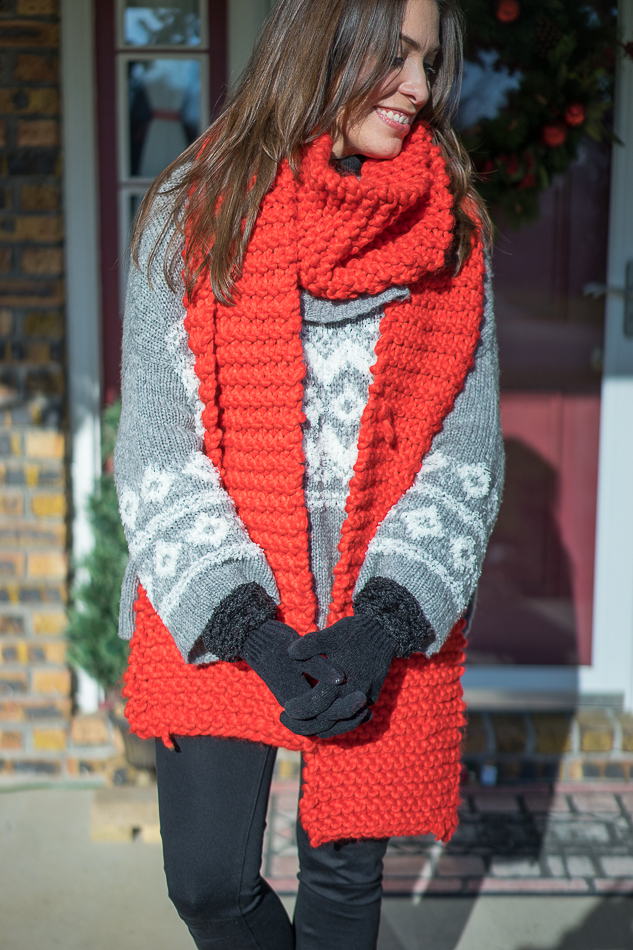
x,y
156,23
164,100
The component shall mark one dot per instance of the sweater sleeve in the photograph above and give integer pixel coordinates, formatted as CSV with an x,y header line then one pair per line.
x,y
188,547
433,541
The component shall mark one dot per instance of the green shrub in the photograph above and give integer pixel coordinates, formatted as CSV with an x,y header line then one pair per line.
x,y
93,614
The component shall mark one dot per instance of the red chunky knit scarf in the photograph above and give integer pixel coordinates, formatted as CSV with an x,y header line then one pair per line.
x,y
336,237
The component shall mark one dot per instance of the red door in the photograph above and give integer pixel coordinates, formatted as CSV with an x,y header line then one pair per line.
x,y
536,592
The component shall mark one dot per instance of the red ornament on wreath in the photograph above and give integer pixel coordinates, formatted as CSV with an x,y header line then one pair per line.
x,y
508,10
554,135
575,114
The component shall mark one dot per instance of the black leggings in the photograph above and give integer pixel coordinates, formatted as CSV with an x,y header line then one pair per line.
x,y
213,797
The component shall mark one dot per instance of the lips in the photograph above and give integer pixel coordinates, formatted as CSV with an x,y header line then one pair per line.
x,y
395,119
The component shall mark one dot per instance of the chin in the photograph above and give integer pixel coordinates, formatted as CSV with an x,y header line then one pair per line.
x,y
384,151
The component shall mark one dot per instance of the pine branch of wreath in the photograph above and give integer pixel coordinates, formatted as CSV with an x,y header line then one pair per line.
x,y
565,55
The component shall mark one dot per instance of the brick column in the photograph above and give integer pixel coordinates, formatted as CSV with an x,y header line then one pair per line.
x,y
34,679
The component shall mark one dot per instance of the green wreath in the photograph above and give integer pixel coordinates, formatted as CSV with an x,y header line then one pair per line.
x,y
557,60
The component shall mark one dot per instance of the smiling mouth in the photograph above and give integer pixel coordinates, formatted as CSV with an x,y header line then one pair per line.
x,y
395,116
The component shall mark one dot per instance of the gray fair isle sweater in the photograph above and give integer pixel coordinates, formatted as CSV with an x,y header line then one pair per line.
x,y
188,547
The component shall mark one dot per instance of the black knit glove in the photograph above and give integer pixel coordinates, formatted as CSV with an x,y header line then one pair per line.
x,y
357,645
387,622
242,626
266,652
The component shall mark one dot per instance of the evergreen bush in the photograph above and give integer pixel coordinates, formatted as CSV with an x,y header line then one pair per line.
x,y
93,614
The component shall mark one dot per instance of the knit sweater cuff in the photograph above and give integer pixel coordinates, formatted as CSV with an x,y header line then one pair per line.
x,y
238,615
398,613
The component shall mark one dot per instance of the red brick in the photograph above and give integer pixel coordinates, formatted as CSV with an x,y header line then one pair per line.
x,y
28,534
49,565
38,352
89,730
476,738
13,683
11,505
29,67
38,132
11,564
11,740
47,653
49,624
42,229
10,624
81,768
11,712
25,101
447,885
39,198
49,740
613,885
510,732
36,7
13,653
43,652
54,683
44,323
39,768
28,33
27,293
45,382
41,710
45,444
6,320
541,885
48,505
602,802
37,260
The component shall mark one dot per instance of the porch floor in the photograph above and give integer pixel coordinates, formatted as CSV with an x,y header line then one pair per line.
x,y
529,870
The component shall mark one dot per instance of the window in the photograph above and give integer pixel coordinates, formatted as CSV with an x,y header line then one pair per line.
x,y
161,71
163,93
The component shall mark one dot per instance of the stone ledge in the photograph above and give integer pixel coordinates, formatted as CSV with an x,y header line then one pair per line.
x,y
122,814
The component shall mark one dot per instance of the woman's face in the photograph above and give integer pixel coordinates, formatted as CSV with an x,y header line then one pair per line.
x,y
380,128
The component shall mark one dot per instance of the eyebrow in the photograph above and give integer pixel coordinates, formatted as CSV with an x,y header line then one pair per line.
x,y
415,45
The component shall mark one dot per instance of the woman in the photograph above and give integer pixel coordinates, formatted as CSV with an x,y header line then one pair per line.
x,y
309,466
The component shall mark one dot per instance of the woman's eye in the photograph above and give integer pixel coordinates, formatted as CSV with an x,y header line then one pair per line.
x,y
431,71
398,62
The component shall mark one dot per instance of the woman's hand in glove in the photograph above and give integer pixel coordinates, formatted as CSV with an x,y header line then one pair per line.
x,y
266,652
359,647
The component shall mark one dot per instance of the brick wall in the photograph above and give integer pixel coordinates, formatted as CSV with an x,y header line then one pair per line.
x,y
34,680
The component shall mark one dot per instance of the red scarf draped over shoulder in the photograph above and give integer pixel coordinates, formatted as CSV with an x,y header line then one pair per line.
x,y
336,237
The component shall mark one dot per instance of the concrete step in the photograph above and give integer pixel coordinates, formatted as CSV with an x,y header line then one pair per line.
x,y
125,813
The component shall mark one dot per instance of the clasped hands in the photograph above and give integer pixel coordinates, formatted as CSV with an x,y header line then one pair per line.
x,y
327,680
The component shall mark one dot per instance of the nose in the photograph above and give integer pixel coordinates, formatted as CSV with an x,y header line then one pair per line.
x,y
414,82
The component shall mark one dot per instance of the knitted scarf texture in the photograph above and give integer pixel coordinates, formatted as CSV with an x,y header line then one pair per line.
x,y
336,237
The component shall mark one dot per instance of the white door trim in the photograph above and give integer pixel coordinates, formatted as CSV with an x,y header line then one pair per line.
x,y
612,666
81,195
83,291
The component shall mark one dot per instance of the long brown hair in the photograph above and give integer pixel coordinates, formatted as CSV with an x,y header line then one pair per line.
x,y
308,68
